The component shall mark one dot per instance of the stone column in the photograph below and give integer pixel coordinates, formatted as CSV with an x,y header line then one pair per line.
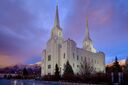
x,y
120,77
112,76
119,74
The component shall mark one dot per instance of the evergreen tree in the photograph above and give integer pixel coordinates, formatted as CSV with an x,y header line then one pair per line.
x,y
57,73
116,66
116,69
126,66
68,69
25,72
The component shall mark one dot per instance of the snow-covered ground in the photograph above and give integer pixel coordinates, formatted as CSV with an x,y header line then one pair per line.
x,y
34,82
25,82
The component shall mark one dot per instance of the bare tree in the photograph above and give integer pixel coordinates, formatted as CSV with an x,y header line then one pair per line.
x,y
86,69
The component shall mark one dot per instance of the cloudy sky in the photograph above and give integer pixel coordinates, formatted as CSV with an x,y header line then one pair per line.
x,y
25,27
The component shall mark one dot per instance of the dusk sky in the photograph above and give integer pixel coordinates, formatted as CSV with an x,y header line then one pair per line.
x,y
25,27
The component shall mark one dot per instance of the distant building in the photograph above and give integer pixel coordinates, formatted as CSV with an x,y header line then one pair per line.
x,y
122,63
59,51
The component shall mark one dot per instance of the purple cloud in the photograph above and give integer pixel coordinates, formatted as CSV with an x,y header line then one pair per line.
x,y
25,26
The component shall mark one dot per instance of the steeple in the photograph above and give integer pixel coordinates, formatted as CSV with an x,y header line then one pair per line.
x,y
56,32
57,22
87,37
87,43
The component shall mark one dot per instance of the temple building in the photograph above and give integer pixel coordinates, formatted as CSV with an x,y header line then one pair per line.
x,y
59,51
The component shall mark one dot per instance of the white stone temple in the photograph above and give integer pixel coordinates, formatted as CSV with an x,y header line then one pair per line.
x,y
59,51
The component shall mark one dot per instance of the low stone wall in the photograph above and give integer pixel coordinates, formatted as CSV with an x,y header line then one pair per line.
x,y
70,83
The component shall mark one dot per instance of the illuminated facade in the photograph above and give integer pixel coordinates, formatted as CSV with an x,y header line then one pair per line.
x,y
59,51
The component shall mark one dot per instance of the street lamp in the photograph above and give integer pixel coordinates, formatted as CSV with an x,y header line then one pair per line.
x,y
60,70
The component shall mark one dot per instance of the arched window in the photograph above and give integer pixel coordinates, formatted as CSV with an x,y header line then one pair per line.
x,y
77,66
64,55
77,57
49,66
73,56
49,57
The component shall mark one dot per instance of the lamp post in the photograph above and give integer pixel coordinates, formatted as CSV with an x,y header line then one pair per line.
x,y
60,70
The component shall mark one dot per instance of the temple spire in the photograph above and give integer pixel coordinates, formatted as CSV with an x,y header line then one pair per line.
x,y
87,30
56,30
56,22
87,43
